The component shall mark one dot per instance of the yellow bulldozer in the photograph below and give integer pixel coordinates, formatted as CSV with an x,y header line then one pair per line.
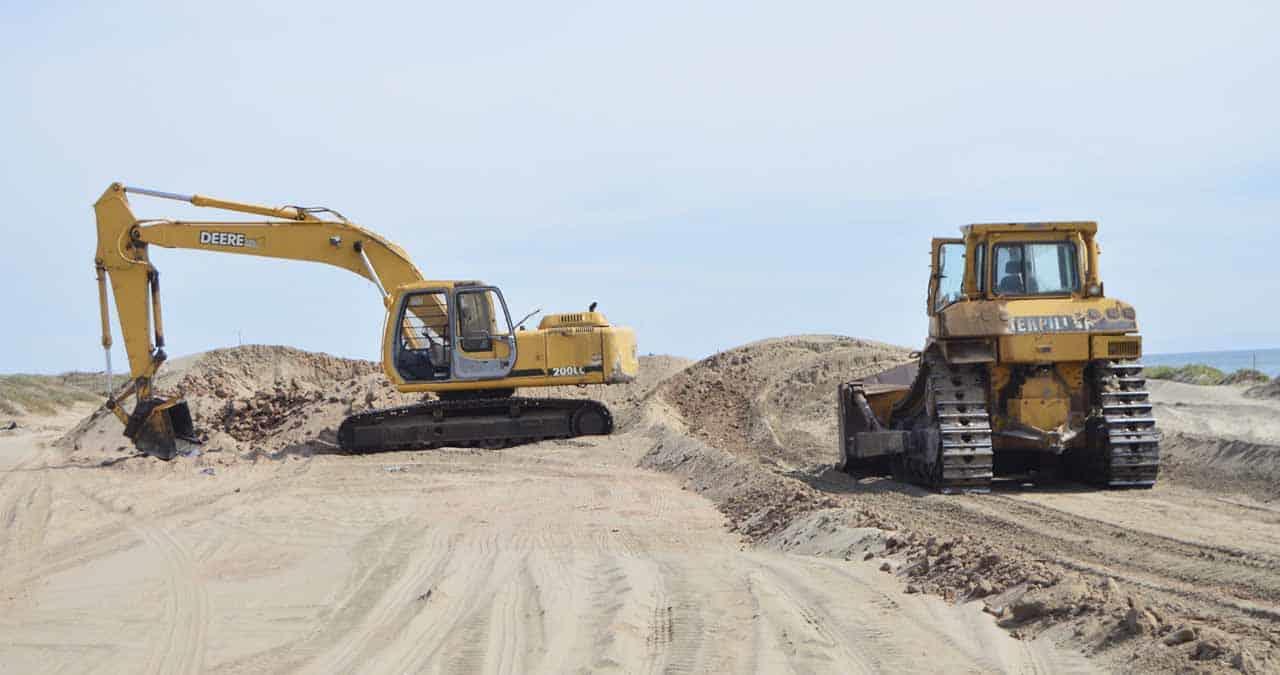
x,y
454,338
1029,370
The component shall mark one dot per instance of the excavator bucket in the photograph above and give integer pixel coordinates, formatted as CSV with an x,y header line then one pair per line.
x,y
158,427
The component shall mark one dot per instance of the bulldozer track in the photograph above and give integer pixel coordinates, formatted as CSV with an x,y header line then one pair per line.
x,y
1126,444
485,423
954,412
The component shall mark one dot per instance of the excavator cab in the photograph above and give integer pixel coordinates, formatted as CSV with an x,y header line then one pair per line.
x,y
452,333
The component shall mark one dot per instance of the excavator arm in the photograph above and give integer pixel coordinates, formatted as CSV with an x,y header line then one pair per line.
x,y
123,262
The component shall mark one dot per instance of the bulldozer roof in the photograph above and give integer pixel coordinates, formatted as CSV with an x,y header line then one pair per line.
x,y
1083,226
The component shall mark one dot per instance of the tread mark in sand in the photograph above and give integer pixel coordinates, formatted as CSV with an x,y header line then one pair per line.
x,y
1124,569
660,631
460,613
186,608
684,652
610,587
520,635
186,620
791,588
1251,569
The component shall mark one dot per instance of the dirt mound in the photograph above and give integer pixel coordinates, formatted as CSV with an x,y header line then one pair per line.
x,y
1232,464
625,401
774,400
758,502
272,401
254,400
1268,390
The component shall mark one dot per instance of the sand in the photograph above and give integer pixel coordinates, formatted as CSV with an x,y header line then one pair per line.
x,y
709,535
1058,561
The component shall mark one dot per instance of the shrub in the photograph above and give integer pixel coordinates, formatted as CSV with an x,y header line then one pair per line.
x,y
1246,376
1159,372
1195,373
46,394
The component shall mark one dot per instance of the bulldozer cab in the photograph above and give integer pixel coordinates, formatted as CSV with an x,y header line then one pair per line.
x,y
1013,261
452,333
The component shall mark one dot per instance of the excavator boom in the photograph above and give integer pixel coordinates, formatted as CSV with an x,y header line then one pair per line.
x,y
123,262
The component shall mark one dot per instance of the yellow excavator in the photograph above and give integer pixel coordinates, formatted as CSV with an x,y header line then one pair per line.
x,y
453,338
1029,370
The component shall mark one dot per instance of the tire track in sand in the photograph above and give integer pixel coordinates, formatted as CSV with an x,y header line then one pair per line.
x,y
183,637
25,509
1184,565
391,576
454,621
800,632
518,641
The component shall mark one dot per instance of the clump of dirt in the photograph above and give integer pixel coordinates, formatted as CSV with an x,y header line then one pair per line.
x,y
774,400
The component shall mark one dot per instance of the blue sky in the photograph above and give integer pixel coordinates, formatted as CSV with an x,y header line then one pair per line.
x,y
711,172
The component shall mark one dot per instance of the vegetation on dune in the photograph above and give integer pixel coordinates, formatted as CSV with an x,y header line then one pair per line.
x,y
1199,373
1195,373
46,394
1247,376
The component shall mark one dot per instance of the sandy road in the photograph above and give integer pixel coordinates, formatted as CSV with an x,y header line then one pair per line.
x,y
551,558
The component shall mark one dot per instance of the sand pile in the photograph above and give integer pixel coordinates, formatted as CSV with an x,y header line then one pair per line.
x,y
624,401
1269,390
1220,434
256,400
774,400
728,423
261,400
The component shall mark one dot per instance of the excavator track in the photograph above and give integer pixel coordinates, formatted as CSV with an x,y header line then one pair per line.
x,y
1124,441
484,423
952,430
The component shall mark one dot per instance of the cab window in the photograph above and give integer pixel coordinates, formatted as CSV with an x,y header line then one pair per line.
x,y
422,350
476,327
1036,268
950,275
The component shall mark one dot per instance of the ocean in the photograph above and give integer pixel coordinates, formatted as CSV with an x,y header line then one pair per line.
x,y
1266,360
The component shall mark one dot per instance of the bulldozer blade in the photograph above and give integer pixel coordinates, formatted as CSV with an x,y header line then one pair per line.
x,y
157,427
